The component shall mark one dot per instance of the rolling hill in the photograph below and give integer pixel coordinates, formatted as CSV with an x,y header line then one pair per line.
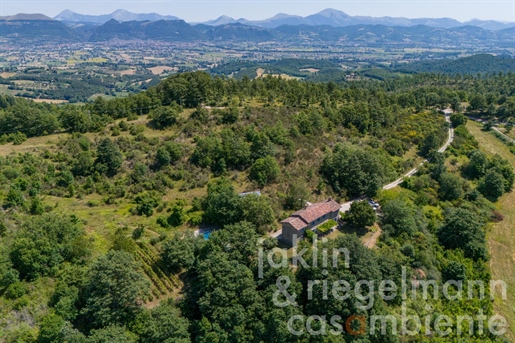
x,y
38,31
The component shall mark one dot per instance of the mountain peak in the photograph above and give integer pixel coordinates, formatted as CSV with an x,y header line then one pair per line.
x,y
224,17
66,12
121,11
331,12
222,20
284,15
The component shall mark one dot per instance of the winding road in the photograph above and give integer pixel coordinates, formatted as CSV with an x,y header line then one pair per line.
x,y
346,206
412,172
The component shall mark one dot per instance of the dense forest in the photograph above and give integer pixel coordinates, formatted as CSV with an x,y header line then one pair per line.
x,y
340,71
476,64
177,156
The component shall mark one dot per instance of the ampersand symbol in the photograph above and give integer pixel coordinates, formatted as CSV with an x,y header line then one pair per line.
x,y
282,283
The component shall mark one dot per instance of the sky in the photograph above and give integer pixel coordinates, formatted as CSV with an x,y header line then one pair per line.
x,y
202,10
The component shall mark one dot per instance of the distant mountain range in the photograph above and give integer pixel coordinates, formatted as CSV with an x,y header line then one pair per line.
x,y
119,15
330,17
39,30
178,30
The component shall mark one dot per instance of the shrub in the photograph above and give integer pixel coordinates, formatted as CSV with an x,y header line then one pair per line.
x,y
16,290
17,138
408,250
309,235
195,218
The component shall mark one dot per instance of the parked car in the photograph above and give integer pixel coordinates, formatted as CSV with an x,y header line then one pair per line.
x,y
374,204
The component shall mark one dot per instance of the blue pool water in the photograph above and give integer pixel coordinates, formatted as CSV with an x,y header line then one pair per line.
x,y
207,235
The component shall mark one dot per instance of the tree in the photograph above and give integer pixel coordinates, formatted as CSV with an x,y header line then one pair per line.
x,y
477,103
83,165
491,110
201,114
265,171
399,217
3,226
222,204
180,251
451,187
163,157
458,119
296,195
14,197
174,150
394,147
361,214
355,171
65,299
8,275
164,117
50,330
363,265
454,271
139,172
437,165
487,126
456,105
111,334
73,118
36,206
503,167
114,290
146,203
71,335
178,215
258,211
430,144
162,324
492,185
44,242
228,300
261,146
207,151
109,158
230,115
463,230
477,164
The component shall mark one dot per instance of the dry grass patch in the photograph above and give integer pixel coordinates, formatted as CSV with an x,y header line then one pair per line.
x,y
32,144
161,69
50,101
6,75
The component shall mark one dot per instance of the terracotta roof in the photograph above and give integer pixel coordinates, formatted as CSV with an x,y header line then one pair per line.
x,y
302,218
296,222
315,211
